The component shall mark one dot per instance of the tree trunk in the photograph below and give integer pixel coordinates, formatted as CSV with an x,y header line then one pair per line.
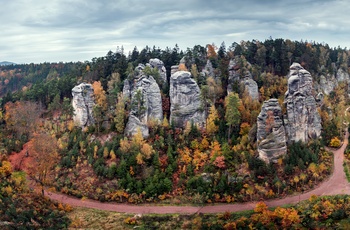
x,y
229,134
42,189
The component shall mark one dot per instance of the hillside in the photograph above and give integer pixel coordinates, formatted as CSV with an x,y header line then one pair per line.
x,y
210,124
6,63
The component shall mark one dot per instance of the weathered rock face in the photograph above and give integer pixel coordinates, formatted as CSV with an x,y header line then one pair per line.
x,y
83,103
342,76
329,82
304,122
251,87
174,69
146,102
271,134
246,81
134,124
233,74
185,100
208,70
159,65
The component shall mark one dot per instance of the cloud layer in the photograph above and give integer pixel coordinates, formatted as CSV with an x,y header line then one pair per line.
x,y
78,30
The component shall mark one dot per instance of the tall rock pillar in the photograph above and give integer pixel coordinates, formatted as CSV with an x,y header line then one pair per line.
x,y
303,119
271,134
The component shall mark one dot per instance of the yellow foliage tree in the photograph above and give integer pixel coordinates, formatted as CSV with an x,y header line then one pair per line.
x,y
165,122
119,118
215,149
139,159
105,152
112,155
100,95
245,127
204,144
335,142
212,128
146,150
124,145
137,140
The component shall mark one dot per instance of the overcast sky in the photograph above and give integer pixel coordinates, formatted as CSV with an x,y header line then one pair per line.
x,y
78,30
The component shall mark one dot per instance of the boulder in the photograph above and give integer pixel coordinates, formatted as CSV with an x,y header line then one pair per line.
x,y
271,135
185,100
146,102
303,119
83,103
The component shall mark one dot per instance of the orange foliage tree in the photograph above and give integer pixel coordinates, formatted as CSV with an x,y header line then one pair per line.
x,y
22,116
44,157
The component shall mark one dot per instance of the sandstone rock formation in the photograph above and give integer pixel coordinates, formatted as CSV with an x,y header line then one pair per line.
x,y
174,69
83,103
330,81
246,80
342,76
327,83
271,134
233,74
251,87
159,65
208,70
146,102
186,105
304,122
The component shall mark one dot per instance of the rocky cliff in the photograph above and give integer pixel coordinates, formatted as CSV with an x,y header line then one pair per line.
x,y
145,102
186,105
83,103
271,134
303,119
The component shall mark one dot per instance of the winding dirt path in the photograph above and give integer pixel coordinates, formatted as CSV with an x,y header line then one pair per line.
x,y
336,184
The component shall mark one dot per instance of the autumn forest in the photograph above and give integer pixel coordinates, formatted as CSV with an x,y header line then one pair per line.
x,y
210,159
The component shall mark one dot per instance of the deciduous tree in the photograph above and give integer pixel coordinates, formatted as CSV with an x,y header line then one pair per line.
x,y
119,118
43,152
232,115
211,125
22,116
100,95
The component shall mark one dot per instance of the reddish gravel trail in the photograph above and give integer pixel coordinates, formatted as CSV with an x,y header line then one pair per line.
x,y
336,184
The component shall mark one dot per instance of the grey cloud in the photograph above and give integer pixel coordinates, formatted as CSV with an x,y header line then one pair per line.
x,y
68,30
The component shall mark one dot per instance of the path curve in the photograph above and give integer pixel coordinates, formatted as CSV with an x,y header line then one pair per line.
x,y
336,184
